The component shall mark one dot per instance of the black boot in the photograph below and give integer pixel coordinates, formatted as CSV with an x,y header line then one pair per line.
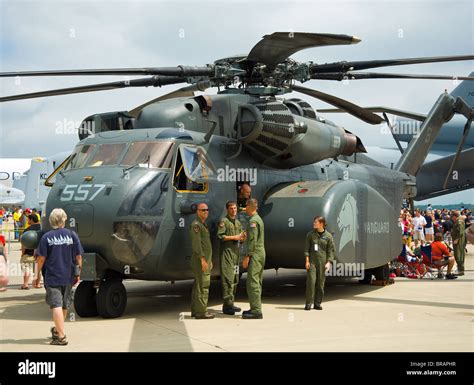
x,y
229,310
451,276
318,306
307,307
249,315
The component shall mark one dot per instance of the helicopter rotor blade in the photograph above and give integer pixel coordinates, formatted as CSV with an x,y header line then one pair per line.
x,y
389,124
187,91
351,108
394,111
154,81
344,66
374,75
278,46
181,71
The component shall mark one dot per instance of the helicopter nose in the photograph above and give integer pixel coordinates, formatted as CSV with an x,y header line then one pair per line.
x,y
139,216
132,242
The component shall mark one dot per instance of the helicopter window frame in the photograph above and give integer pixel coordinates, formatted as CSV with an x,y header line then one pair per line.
x,y
114,161
180,177
166,161
197,164
72,163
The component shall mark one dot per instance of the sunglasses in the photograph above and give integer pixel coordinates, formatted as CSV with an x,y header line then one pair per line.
x,y
203,209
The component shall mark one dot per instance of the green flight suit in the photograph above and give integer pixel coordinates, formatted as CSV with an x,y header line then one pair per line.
x,y
201,247
256,251
229,258
458,233
320,250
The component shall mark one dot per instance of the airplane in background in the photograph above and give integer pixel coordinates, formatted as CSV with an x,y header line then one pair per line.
x,y
441,161
22,179
32,182
10,196
12,169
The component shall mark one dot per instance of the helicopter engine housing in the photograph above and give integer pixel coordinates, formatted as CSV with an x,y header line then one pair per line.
x,y
288,134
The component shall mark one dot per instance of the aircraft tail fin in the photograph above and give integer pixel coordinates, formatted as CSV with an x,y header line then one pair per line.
x,y
465,90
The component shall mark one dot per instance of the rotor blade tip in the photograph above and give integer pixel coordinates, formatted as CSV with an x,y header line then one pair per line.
x,y
355,40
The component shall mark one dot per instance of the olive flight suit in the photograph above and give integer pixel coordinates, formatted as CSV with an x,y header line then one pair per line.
x,y
201,247
229,258
256,251
457,233
320,249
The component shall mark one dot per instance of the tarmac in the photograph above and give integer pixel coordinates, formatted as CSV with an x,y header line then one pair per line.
x,y
412,315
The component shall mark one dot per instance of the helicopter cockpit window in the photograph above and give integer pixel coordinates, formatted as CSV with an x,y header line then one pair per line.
x,y
106,155
197,164
193,169
154,154
80,156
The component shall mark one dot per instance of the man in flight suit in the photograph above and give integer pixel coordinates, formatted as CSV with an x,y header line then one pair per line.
x,y
230,233
254,261
319,253
201,263
244,195
459,238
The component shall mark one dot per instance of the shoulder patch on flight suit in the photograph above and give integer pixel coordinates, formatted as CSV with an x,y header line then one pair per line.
x,y
196,228
253,224
221,224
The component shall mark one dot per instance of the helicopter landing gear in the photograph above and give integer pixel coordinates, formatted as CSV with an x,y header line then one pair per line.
x,y
367,277
381,273
85,300
111,299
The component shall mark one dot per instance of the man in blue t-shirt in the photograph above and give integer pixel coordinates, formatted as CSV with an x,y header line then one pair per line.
x,y
59,256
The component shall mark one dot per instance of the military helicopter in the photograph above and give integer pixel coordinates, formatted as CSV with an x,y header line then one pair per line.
x,y
131,185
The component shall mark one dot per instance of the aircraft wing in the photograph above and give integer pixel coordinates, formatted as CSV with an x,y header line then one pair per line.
x,y
430,178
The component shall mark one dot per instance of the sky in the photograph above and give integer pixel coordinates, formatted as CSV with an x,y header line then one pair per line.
x,y
46,35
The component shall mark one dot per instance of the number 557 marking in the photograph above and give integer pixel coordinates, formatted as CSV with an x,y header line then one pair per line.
x,y
81,193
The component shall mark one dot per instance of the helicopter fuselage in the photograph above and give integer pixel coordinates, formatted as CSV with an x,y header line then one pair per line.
x,y
131,195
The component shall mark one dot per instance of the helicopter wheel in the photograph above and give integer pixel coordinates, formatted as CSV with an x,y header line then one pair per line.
x,y
85,300
382,273
111,299
367,277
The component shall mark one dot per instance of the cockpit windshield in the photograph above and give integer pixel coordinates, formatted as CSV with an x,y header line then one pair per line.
x,y
107,155
79,156
150,154
153,154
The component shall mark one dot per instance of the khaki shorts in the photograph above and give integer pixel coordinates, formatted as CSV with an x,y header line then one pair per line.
x,y
419,235
27,267
59,296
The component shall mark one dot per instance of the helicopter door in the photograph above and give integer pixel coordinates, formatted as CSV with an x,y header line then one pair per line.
x,y
193,170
